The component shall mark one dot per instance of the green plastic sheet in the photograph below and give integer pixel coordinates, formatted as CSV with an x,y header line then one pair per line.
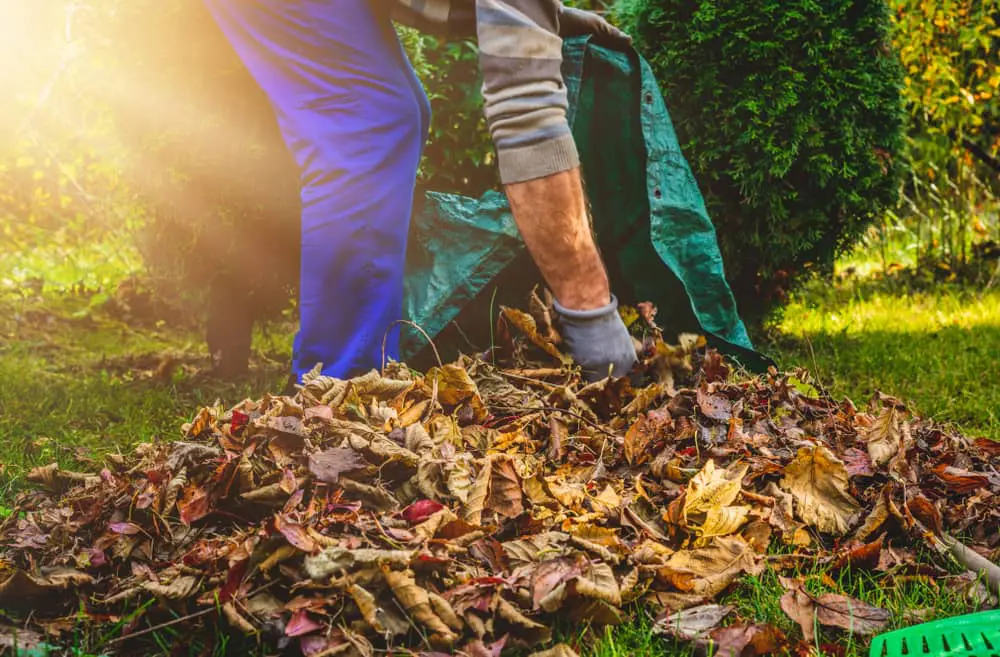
x,y
465,255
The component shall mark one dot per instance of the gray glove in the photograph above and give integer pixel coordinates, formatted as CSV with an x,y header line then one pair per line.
x,y
597,340
577,22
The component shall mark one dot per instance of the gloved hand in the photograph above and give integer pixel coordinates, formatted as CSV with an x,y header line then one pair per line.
x,y
597,340
577,22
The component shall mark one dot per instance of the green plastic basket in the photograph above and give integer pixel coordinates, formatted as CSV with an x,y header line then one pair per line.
x,y
972,635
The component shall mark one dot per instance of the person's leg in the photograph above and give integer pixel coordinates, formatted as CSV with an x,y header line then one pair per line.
x,y
345,98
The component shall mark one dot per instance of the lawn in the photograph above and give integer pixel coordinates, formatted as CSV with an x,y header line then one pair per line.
x,y
75,383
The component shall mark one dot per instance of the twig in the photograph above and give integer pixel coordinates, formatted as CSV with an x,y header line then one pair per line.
x,y
552,409
184,619
419,329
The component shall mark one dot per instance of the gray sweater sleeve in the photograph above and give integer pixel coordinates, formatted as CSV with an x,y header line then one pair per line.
x,y
525,96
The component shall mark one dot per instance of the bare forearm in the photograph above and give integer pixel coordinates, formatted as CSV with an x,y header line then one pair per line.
x,y
551,213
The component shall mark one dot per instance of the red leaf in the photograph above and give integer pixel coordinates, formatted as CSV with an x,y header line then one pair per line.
x,y
295,533
239,421
421,510
300,624
233,580
959,480
127,528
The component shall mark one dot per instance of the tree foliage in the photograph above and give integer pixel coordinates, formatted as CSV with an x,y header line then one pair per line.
x,y
950,50
790,115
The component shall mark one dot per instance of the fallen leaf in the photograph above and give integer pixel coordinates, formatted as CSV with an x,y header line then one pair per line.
x,y
328,465
861,557
525,323
416,603
420,511
180,588
505,496
300,623
295,533
694,623
818,481
127,528
714,406
747,641
709,570
960,480
832,610
558,650
885,436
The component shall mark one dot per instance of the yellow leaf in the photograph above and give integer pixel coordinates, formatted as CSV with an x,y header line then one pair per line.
x,y
525,323
713,488
818,481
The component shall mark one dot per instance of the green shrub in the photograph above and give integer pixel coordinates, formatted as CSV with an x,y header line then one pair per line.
x,y
458,156
789,112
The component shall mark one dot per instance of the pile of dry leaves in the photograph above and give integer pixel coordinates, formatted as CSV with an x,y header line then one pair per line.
x,y
465,509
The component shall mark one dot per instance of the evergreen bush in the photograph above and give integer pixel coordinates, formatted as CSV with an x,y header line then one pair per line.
x,y
790,115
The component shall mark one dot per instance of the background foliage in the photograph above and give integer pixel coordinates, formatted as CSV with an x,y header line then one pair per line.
x,y
135,139
950,50
789,114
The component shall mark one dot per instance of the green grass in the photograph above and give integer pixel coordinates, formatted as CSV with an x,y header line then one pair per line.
x,y
936,349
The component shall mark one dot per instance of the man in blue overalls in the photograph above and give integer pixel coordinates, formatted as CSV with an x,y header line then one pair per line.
x,y
355,116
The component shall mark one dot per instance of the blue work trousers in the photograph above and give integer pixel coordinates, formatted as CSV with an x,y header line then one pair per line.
x,y
355,116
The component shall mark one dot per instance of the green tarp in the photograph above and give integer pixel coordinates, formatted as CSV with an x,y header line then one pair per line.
x,y
466,256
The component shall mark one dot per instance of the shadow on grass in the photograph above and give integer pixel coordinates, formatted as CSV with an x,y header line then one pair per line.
x,y
949,374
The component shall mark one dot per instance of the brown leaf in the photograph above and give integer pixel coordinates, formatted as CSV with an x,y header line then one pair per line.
x,y
548,582
179,588
558,650
855,616
714,406
295,533
709,570
885,436
926,513
818,481
57,480
194,504
747,640
477,495
858,463
865,556
328,465
505,498
21,590
800,608
456,387
417,603
644,431
833,610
